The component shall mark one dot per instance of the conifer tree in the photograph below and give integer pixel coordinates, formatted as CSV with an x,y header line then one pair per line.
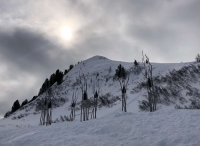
x,y
24,102
15,106
136,63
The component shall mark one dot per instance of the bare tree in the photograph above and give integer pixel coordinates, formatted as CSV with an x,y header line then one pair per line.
x,y
96,90
73,105
109,74
150,87
122,76
82,83
46,114
197,58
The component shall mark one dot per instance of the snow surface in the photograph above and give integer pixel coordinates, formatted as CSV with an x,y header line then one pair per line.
x,y
169,127
165,127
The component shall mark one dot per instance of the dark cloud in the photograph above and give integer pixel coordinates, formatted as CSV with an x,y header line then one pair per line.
x,y
189,14
24,48
3,108
29,57
31,48
30,51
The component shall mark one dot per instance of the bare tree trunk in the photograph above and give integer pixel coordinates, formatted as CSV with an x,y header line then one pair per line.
x,y
155,103
153,106
50,120
47,116
85,113
81,112
41,118
95,116
93,112
91,116
122,103
44,118
88,113
150,101
71,115
155,100
74,113
125,102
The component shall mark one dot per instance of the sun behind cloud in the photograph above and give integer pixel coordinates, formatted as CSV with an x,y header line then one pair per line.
x,y
66,33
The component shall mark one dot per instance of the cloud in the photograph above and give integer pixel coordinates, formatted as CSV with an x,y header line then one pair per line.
x,y
31,47
27,58
3,108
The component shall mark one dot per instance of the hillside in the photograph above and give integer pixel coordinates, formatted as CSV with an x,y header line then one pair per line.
x,y
177,86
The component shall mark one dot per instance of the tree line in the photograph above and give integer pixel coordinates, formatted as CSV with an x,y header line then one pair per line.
x,y
55,77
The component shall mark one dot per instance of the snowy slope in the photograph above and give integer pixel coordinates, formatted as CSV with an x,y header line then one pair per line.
x,y
161,128
177,84
101,65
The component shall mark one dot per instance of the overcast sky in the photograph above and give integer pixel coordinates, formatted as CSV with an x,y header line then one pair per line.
x,y
32,46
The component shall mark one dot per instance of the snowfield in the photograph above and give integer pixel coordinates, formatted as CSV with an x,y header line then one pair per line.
x,y
177,86
169,127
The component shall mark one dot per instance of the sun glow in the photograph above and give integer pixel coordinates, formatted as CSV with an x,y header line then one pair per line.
x,y
66,33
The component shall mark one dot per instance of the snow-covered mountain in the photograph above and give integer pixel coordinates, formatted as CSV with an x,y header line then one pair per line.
x,y
177,86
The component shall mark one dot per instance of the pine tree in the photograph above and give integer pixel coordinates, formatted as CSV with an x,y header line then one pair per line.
x,y
15,106
24,102
136,63
71,66
66,71
34,97
52,79
59,77
7,114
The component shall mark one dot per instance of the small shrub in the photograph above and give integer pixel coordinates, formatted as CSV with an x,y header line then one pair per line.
x,y
144,105
62,119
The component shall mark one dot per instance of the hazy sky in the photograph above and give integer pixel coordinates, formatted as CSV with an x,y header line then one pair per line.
x,y
32,45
